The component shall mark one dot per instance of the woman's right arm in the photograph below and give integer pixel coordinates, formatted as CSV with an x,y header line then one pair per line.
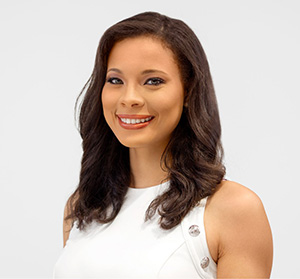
x,y
67,224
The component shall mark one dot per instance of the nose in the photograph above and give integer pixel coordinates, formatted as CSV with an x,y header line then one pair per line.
x,y
131,98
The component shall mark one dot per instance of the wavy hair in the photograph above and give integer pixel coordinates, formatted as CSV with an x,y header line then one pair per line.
x,y
193,156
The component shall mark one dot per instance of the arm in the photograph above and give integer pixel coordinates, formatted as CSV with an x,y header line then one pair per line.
x,y
67,224
244,245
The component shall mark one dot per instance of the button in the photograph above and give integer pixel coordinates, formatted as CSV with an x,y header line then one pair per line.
x,y
194,230
204,262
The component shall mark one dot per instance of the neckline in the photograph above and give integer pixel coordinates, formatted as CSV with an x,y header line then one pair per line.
x,y
149,187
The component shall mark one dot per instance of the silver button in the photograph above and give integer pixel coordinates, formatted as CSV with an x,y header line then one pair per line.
x,y
204,262
194,230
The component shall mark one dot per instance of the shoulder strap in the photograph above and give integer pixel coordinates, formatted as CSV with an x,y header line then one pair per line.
x,y
194,233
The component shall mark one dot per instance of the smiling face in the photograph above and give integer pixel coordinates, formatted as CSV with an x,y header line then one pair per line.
x,y
143,94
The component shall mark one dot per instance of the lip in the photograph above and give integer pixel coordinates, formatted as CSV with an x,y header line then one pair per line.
x,y
134,116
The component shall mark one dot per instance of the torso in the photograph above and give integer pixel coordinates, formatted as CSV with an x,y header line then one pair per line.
x,y
164,252
236,228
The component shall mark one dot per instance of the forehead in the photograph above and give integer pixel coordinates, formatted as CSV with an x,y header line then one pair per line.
x,y
143,51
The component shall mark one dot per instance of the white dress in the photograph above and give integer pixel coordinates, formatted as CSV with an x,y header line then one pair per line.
x,y
129,247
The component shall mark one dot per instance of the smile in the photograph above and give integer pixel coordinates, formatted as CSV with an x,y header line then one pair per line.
x,y
135,121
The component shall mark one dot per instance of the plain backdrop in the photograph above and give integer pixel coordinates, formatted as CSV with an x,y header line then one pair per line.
x,y
47,54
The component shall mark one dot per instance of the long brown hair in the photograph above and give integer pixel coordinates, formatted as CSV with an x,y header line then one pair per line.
x,y
193,157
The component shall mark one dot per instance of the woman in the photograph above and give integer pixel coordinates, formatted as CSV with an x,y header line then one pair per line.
x,y
152,166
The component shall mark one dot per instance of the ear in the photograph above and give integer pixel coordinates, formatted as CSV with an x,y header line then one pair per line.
x,y
185,101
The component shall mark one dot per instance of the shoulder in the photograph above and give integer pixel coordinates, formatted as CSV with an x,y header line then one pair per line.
x,y
243,233
235,207
233,200
67,222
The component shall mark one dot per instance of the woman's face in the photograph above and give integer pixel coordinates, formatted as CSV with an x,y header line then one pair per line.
x,y
143,94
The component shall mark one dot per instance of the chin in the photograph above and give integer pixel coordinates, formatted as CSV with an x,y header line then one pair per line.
x,y
135,141
133,144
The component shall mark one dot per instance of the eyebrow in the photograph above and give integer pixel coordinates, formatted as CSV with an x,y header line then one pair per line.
x,y
114,70
148,71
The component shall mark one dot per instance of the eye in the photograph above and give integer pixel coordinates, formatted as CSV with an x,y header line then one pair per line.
x,y
154,81
114,80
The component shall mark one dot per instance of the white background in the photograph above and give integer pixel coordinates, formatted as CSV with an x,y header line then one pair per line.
x,y
47,54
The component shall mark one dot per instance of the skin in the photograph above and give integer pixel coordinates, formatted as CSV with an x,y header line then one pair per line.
x,y
238,233
237,229
158,92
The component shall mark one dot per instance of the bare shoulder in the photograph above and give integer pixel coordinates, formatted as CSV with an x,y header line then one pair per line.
x,y
67,223
243,240
232,198
235,207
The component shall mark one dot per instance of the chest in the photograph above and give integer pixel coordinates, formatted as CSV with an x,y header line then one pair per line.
x,y
131,248
113,252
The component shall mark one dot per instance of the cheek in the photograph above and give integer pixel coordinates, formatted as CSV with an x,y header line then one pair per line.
x,y
170,109
172,102
108,102
107,106
106,99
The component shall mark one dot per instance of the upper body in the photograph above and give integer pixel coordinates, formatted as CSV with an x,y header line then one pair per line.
x,y
238,234
149,115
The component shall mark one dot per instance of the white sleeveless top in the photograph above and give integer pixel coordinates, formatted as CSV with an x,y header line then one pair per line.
x,y
129,247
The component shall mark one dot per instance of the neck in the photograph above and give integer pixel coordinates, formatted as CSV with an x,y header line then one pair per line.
x,y
145,167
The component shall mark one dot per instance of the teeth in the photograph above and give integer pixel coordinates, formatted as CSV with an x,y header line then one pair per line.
x,y
135,121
